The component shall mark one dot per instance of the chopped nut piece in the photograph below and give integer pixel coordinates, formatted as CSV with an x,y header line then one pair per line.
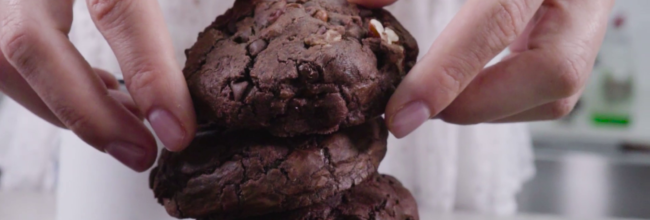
x,y
390,35
322,15
386,34
376,28
286,93
239,90
256,47
294,5
332,36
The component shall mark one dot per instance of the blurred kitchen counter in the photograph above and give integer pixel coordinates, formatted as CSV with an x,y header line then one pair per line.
x,y
32,206
461,216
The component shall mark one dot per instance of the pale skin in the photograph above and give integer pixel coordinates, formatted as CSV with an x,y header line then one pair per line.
x,y
554,45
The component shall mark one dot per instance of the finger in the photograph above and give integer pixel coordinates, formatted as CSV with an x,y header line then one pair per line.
x,y
521,43
109,79
373,3
65,82
14,86
549,111
136,31
563,48
126,101
480,31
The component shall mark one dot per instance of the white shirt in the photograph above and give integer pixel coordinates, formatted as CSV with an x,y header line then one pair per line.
x,y
447,167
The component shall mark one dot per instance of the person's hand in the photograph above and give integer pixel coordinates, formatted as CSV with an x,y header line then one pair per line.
x,y
42,70
554,44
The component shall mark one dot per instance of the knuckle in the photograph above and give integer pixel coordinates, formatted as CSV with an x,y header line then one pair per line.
x,y
570,76
509,20
451,79
456,73
560,109
73,119
17,40
107,12
143,78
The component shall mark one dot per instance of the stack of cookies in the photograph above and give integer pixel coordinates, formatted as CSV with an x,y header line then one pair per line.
x,y
289,95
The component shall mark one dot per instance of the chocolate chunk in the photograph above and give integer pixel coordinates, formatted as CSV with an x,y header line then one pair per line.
x,y
308,72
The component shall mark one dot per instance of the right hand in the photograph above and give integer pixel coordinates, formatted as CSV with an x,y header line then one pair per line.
x,y
554,44
45,73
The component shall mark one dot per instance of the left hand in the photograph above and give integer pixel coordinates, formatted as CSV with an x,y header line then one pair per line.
x,y
43,71
554,44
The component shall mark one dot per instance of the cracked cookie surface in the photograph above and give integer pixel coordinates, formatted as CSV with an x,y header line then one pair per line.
x,y
229,175
380,197
297,66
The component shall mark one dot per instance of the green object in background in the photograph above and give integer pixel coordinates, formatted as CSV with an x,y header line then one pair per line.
x,y
614,120
615,101
614,79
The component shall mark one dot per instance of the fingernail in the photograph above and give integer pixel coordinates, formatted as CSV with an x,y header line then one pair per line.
x,y
130,155
409,118
168,129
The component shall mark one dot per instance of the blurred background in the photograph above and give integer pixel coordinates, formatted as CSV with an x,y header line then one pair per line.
x,y
593,164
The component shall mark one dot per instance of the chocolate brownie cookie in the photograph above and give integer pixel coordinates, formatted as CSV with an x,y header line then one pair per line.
x,y
239,174
381,197
297,66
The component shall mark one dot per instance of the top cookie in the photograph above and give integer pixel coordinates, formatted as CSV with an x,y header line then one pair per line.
x,y
297,66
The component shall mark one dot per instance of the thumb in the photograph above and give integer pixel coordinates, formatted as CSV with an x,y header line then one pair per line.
x,y
136,31
373,3
480,31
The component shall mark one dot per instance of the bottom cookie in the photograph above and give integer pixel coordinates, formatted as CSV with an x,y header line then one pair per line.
x,y
380,197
